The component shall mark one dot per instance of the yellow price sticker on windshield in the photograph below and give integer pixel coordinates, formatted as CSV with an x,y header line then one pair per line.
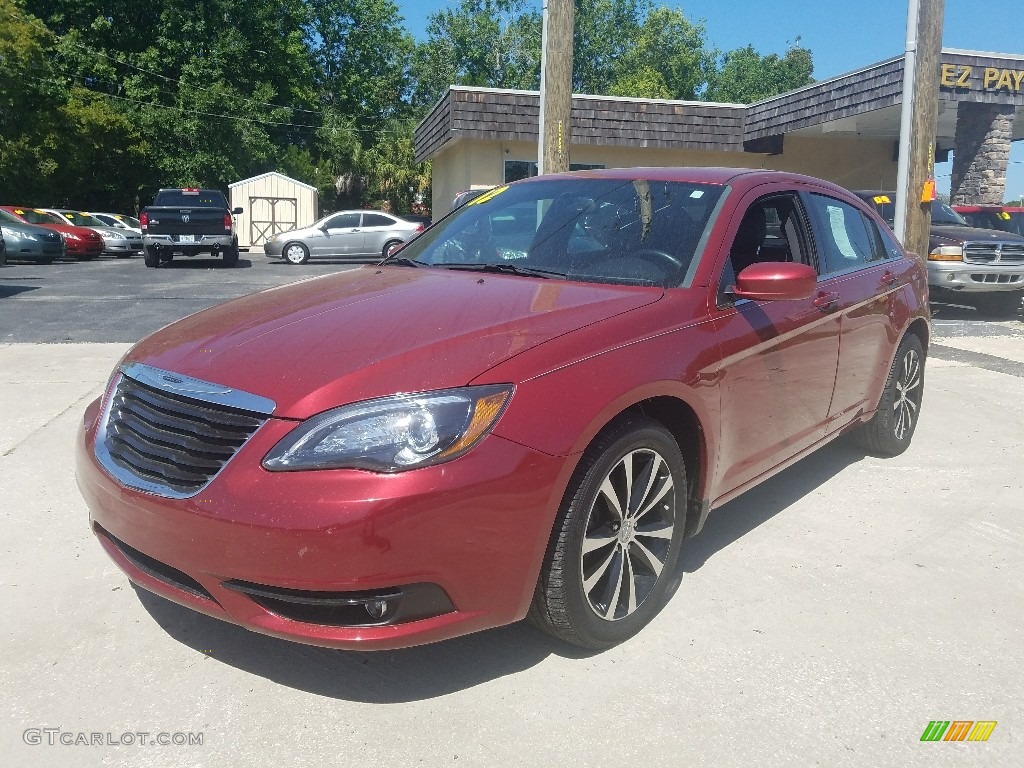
x,y
487,195
882,199
19,211
1004,216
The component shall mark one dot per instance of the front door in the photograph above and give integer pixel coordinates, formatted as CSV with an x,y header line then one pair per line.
x,y
340,236
779,357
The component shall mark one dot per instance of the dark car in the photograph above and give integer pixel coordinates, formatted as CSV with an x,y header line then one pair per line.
x,y
524,411
984,267
1005,218
80,243
27,242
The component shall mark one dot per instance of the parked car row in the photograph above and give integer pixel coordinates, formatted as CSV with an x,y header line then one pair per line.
x,y
45,234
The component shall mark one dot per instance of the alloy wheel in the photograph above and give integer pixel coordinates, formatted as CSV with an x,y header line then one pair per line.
x,y
629,534
908,394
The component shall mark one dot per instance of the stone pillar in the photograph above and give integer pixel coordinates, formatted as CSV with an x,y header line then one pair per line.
x,y
981,153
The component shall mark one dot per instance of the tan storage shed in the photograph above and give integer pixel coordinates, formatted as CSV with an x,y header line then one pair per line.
x,y
271,203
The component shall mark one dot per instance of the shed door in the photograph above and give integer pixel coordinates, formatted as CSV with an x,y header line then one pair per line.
x,y
270,215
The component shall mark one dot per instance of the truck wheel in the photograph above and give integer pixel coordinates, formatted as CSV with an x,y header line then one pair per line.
x,y
1001,304
296,253
151,257
231,256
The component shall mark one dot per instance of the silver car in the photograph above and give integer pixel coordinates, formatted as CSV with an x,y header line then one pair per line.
x,y
27,241
118,221
123,243
344,234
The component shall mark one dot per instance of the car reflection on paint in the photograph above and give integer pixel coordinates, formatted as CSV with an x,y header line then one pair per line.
x,y
523,412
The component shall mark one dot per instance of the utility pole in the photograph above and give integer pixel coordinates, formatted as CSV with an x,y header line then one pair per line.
x,y
555,87
916,164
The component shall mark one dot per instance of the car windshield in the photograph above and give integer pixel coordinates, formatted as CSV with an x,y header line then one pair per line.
x,y
943,214
38,217
9,217
622,231
82,219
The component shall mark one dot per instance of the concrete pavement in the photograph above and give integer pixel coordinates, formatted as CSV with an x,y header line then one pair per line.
x,y
826,617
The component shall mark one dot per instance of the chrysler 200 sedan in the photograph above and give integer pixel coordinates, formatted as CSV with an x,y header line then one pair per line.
x,y
525,411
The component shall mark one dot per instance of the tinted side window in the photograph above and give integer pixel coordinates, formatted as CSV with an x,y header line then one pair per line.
x,y
344,221
376,220
844,240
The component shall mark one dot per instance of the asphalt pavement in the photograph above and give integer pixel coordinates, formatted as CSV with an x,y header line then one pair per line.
x,y
825,618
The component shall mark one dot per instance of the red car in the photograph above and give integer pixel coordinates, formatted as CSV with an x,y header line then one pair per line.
x,y
525,410
80,243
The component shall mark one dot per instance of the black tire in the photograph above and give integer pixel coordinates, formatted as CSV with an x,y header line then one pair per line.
x,y
892,427
998,304
45,260
295,253
389,247
605,576
151,257
231,256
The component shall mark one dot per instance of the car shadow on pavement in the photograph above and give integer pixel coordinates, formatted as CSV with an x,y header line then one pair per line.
x,y
378,677
740,516
13,290
181,262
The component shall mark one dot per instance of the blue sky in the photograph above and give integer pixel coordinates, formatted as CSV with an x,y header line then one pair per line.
x,y
842,35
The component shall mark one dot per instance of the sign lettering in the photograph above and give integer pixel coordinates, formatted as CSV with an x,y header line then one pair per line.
x,y
992,79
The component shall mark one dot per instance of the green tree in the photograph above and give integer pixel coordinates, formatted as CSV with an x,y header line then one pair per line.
x,y
485,43
31,99
745,76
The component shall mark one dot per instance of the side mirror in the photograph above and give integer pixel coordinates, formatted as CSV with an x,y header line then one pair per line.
x,y
237,210
776,281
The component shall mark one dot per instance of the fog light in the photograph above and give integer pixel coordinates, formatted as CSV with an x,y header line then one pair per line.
x,y
377,608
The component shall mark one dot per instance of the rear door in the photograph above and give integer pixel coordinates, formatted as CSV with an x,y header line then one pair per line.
x,y
378,228
779,357
867,270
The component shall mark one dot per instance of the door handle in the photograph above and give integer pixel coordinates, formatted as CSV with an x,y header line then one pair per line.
x,y
826,302
890,278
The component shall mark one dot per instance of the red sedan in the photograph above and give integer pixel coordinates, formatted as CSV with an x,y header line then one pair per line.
x,y
524,411
80,243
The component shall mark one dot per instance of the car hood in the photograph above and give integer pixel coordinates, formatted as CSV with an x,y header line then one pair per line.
x,y
28,229
376,331
974,234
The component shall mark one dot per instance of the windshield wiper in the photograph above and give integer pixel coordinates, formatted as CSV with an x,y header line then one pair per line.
x,y
403,260
507,269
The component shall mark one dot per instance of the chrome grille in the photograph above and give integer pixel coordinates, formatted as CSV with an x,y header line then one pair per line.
x,y
994,253
169,443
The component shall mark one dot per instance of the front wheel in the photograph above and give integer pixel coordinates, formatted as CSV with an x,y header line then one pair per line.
x,y
296,253
613,550
891,428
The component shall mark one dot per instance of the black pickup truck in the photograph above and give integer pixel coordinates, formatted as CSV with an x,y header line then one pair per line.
x,y
189,221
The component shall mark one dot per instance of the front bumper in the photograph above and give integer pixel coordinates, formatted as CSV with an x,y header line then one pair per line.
x,y
119,247
964,277
469,534
274,248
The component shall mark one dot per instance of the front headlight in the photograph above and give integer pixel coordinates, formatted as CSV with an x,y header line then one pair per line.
x,y
392,434
947,253
112,236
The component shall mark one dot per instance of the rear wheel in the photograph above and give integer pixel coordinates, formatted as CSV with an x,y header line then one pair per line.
x,y
999,304
891,428
390,247
151,257
295,253
613,551
231,256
